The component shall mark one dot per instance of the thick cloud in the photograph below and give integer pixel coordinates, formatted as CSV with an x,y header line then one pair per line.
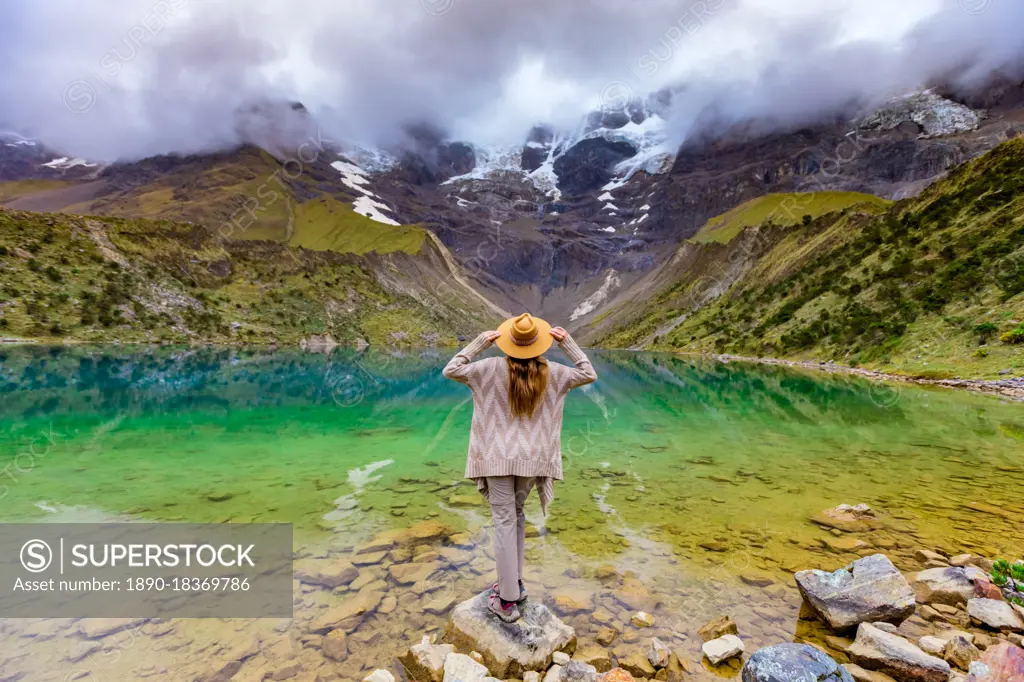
x,y
110,79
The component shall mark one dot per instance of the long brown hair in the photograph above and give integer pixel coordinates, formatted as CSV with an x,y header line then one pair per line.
x,y
527,380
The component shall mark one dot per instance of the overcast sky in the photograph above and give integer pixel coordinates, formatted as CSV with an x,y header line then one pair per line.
x,y
109,79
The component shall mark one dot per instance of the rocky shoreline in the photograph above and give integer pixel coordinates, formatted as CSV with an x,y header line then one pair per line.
x,y
394,606
1012,388
946,623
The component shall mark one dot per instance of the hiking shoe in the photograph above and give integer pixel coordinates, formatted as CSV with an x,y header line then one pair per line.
x,y
509,613
522,592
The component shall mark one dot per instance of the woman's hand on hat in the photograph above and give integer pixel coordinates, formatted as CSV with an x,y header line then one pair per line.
x,y
559,334
491,336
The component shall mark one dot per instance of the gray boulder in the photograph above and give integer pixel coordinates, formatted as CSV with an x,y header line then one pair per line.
x,y
509,649
952,585
578,671
995,614
869,589
876,649
793,663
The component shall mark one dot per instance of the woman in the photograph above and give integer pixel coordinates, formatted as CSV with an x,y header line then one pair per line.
x,y
515,438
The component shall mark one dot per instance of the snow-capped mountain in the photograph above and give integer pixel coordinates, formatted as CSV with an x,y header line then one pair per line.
x,y
23,158
568,221
638,132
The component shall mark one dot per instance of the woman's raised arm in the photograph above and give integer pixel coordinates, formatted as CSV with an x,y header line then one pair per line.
x,y
460,368
584,372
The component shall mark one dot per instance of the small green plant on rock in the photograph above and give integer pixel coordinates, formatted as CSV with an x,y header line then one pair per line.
x,y
1007,575
1014,336
1001,572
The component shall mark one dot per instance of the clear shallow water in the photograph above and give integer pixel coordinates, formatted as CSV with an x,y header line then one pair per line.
x,y
680,471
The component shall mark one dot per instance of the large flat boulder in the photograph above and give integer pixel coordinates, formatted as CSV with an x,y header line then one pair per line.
x,y
951,585
876,649
509,649
790,662
995,614
867,590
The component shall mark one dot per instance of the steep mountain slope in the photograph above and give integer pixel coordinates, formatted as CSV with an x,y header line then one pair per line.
x,y
566,224
930,286
136,280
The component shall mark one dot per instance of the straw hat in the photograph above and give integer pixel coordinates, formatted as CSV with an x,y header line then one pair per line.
x,y
524,337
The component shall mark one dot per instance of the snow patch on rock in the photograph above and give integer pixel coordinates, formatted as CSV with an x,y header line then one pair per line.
x,y
936,115
366,206
355,177
592,302
64,163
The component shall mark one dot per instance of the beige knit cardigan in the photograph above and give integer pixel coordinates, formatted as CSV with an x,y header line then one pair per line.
x,y
501,444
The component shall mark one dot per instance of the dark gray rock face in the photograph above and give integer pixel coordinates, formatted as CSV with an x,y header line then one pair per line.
x,y
537,147
793,663
868,590
590,164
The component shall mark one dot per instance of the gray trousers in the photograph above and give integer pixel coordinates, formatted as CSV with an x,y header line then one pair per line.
x,y
507,496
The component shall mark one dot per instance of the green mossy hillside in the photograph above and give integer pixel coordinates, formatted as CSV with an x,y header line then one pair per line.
x,y
783,209
326,224
931,286
101,280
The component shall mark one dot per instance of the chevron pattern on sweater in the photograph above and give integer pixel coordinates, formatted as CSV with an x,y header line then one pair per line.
x,y
501,444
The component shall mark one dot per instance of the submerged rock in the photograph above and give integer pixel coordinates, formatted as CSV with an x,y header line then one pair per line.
x,y
335,645
717,628
328,573
658,653
350,612
876,649
509,649
792,662
594,655
869,589
637,665
852,519
570,601
425,531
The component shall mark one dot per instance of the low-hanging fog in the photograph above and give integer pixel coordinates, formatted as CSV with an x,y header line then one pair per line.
x,y
124,79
